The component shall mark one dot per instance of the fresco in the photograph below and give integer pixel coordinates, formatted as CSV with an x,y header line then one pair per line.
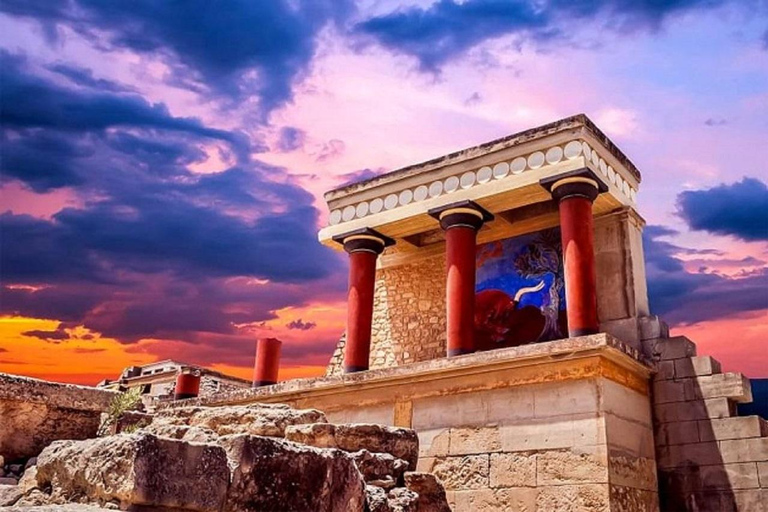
x,y
520,292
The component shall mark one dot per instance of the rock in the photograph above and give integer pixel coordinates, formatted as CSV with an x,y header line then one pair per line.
x,y
256,419
379,466
16,469
183,432
31,462
136,469
321,435
9,495
401,443
403,500
70,507
29,480
2,461
376,499
431,494
274,474
8,480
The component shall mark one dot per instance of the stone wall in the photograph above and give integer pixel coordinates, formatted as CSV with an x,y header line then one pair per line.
x,y
33,413
709,459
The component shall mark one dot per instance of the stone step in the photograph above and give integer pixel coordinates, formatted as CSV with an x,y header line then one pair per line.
x,y
732,428
661,349
696,366
711,453
693,410
722,385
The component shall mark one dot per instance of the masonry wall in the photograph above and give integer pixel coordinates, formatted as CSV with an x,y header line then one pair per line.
x,y
709,458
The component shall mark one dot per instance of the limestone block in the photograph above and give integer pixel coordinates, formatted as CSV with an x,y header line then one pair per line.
x,y
695,366
468,472
553,433
745,450
762,474
625,402
434,442
136,469
628,471
629,436
574,498
707,478
664,349
521,499
402,443
728,385
632,499
467,441
740,427
274,474
320,435
752,500
665,370
693,410
430,491
697,454
653,327
513,469
576,466
667,391
379,467
682,432
572,397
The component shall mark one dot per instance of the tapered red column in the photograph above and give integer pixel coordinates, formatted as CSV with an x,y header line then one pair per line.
x,y
267,362
364,248
575,196
461,221
187,384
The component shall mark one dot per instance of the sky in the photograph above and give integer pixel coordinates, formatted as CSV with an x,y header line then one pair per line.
x,y
163,163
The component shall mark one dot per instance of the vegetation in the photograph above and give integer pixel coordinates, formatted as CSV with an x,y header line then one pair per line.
x,y
120,404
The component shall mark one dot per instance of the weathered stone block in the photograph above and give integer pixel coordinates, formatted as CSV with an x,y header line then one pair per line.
x,y
752,500
402,443
379,467
664,349
553,433
431,493
274,474
521,499
666,391
740,427
629,471
762,474
575,466
728,385
652,327
434,442
681,432
695,366
665,370
320,435
461,473
467,441
632,499
706,478
694,410
574,498
572,397
745,450
516,469
137,469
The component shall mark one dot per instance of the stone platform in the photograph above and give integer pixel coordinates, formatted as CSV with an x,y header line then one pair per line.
x,y
562,425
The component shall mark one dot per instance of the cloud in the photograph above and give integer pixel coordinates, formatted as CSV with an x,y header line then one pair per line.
x,y
360,175
739,209
711,121
300,325
233,49
290,139
447,29
689,297
55,336
84,77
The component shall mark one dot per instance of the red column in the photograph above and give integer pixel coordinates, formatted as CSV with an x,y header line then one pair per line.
x,y
187,384
460,247
575,196
461,221
363,248
267,361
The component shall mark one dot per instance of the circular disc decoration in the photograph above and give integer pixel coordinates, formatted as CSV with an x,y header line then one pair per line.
x,y
376,205
335,217
406,196
467,179
587,150
632,195
518,165
420,193
500,170
612,174
390,201
484,174
362,209
451,184
572,149
625,187
348,213
595,158
536,160
603,167
435,189
554,155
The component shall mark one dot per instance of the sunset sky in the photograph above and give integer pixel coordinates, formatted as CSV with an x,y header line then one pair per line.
x,y
163,163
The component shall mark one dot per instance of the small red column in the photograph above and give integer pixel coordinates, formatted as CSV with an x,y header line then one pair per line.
x,y
364,247
575,196
187,384
267,361
461,221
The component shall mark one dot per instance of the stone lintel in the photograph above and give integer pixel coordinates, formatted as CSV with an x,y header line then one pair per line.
x,y
598,355
53,394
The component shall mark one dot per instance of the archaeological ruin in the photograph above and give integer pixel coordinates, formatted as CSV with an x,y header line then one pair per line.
x,y
500,355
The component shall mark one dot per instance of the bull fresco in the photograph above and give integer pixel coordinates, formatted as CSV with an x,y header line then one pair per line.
x,y
520,292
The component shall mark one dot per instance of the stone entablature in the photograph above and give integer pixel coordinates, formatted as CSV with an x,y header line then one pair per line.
x,y
498,175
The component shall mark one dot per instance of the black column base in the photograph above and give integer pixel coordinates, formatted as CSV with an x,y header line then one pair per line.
x,y
184,396
259,383
355,369
575,333
459,351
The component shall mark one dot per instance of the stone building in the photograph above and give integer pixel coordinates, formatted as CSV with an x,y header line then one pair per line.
x,y
158,379
498,306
